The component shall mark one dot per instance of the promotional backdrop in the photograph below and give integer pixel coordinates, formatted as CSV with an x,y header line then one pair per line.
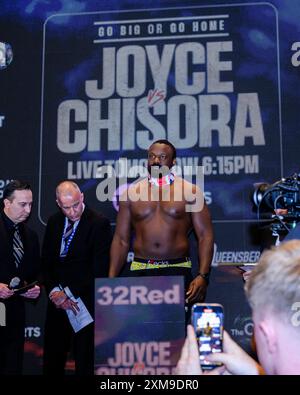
x,y
87,86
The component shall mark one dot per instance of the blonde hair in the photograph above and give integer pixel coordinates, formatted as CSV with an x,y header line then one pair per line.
x,y
274,284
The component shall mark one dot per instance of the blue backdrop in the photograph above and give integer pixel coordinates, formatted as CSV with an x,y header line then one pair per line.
x,y
95,81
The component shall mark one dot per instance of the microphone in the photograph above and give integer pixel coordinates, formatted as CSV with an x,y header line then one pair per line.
x,y
14,282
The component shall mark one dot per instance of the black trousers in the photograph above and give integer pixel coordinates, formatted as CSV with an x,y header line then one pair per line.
x,y
12,337
60,338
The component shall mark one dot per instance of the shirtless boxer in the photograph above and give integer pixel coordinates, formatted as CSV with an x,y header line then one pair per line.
x,y
162,224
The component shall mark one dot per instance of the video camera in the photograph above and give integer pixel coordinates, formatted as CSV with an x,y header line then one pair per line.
x,y
283,194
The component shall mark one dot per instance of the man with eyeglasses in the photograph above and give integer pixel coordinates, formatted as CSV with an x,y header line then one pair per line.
x,y
75,252
162,209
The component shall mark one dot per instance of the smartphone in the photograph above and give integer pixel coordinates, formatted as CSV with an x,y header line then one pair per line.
x,y
208,322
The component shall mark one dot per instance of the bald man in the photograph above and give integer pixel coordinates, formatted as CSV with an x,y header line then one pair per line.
x,y
75,252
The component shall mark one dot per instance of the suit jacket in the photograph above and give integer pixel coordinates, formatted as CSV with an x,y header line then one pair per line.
x,y
30,265
87,258
28,269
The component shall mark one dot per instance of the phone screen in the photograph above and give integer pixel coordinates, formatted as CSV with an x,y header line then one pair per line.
x,y
208,322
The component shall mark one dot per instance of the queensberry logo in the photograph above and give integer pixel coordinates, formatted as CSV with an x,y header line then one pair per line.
x,y
221,257
123,295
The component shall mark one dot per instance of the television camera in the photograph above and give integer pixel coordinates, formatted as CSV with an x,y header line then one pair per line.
x,y
283,199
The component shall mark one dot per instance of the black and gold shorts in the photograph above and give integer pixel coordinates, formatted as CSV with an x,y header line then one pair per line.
x,y
145,264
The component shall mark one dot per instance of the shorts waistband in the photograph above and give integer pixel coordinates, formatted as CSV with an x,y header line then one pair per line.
x,y
142,264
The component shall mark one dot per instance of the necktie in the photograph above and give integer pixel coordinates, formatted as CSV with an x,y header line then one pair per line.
x,y
67,238
18,248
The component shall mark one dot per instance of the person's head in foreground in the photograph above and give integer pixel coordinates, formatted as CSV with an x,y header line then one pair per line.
x,y
273,291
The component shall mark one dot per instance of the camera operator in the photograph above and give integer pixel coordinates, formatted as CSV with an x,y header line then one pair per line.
x,y
280,202
278,205
294,233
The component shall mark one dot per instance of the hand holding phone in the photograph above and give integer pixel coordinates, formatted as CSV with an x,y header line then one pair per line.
x,y
208,322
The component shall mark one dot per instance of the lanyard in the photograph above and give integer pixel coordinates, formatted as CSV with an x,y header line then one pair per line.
x,y
67,245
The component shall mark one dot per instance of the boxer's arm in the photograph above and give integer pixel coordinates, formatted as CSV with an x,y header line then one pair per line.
x,y
204,232
203,228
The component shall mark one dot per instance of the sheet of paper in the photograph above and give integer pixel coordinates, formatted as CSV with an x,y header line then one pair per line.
x,y
82,318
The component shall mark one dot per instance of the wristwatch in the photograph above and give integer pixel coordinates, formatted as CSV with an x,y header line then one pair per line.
x,y
205,276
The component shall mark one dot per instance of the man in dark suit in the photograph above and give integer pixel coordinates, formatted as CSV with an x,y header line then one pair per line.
x,y
75,252
19,259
